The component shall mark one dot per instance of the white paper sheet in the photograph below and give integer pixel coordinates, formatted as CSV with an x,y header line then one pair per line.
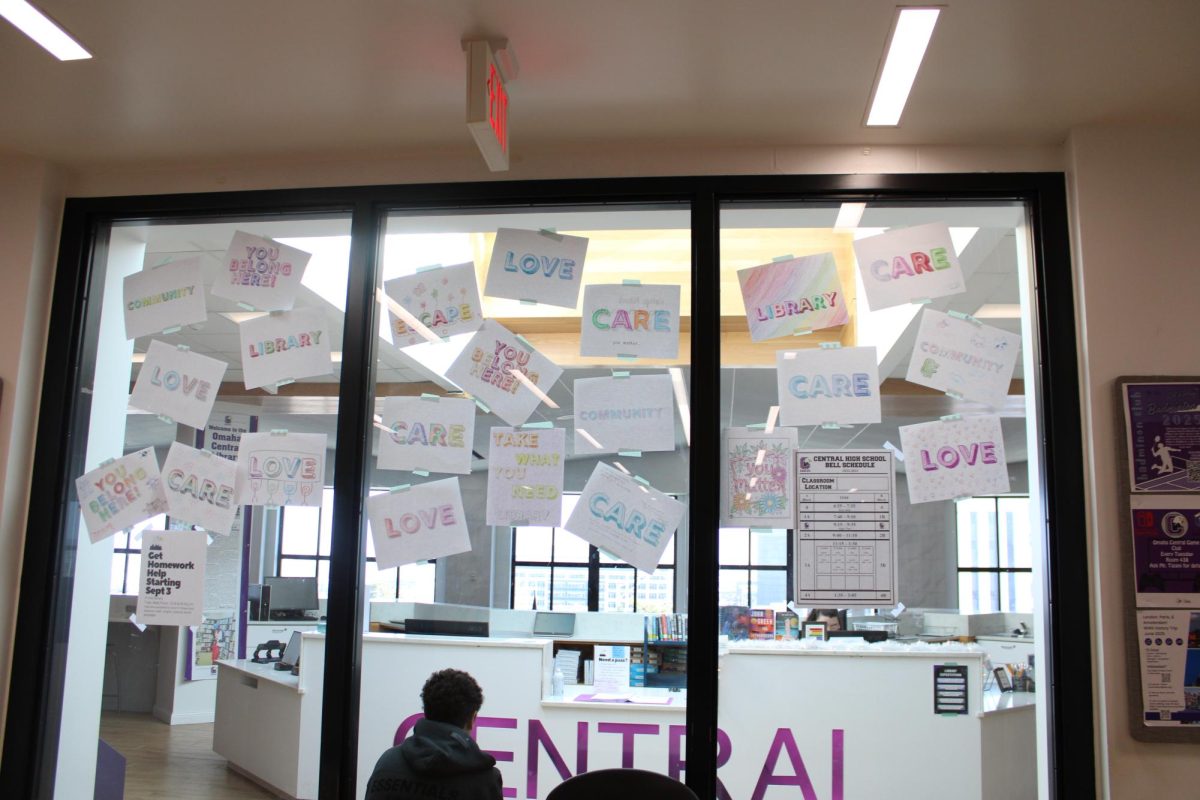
x,y
955,458
178,384
486,366
261,272
611,670
171,589
200,488
423,522
121,494
634,413
794,295
954,355
525,476
1170,667
164,297
444,300
285,346
630,320
625,518
758,491
434,434
534,265
281,469
909,264
819,386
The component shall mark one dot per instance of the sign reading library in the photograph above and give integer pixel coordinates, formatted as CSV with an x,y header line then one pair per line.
x,y
628,519
793,296
418,523
537,266
285,347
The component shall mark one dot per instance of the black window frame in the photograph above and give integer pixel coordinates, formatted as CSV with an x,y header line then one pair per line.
x,y
997,570
788,568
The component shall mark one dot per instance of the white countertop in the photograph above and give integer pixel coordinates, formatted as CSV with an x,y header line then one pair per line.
x,y
995,700
571,691
855,647
266,672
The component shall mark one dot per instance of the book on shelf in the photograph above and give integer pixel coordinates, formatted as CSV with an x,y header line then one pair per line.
x,y
762,623
666,628
734,622
787,625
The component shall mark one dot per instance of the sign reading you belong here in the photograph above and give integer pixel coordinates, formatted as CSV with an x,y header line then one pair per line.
x,y
261,272
488,367
120,494
540,266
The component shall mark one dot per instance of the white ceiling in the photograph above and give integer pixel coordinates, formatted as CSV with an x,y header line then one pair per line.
x,y
229,78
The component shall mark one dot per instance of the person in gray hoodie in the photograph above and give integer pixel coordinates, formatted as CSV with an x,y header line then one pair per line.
x,y
440,761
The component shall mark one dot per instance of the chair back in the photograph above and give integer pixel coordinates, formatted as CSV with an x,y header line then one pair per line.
x,y
606,784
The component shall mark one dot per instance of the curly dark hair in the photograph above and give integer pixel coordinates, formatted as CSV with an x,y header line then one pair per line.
x,y
451,696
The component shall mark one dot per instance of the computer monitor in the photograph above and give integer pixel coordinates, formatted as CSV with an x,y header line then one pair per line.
x,y
291,597
869,636
551,623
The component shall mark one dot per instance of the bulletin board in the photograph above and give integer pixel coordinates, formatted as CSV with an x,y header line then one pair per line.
x,y
1159,458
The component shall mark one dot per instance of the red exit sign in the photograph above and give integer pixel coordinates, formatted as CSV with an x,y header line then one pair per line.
x,y
487,105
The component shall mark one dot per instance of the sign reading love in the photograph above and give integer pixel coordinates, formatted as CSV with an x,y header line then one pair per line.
x,y
956,458
418,523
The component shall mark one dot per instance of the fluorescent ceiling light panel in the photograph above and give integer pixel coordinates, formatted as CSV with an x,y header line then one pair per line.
x,y
998,311
906,49
41,29
849,215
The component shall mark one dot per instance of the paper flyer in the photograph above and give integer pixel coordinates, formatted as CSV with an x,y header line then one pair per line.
x,y
800,294
630,320
435,434
541,266
171,590
285,346
178,384
757,489
954,458
445,300
160,298
974,361
487,369
1169,645
420,523
612,668
1166,550
1163,425
200,488
121,494
525,476
909,264
215,638
222,435
281,469
633,413
627,519
818,386
261,273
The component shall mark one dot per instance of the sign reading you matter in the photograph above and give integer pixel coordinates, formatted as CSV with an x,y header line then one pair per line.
x,y
261,273
200,488
171,591
445,300
435,434
625,518
757,489
909,264
954,458
525,476
799,294
419,523
281,469
632,413
164,297
178,384
488,367
120,494
827,386
974,361
284,347
540,266
630,320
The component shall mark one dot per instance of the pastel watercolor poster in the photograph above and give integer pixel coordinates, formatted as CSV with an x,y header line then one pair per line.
x,y
121,494
488,366
178,384
201,488
909,264
838,385
955,458
633,413
435,434
972,360
525,476
757,488
420,523
799,294
164,297
171,585
541,266
281,469
261,273
445,300
285,346
624,518
630,320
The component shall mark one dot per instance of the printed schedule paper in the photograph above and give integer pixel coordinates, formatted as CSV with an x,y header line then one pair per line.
x,y
845,528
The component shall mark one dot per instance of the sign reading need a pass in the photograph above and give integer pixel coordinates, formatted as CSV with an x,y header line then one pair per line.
x,y
261,272
488,367
630,320
634,413
536,265
178,384
819,386
909,264
956,458
171,591
525,476
624,518
419,523
434,434
164,297
121,494
200,488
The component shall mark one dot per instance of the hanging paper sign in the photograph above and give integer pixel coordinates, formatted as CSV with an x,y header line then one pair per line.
x,y
222,435
164,297
973,361
1169,645
635,320
909,264
488,366
281,469
1166,550
614,414
1161,423
625,518
200,488
121,494
171,591
536,265
828,386
417,524
757,489
261,273
956,458
525,476
445,300
285,346
433,435
800,294
178,384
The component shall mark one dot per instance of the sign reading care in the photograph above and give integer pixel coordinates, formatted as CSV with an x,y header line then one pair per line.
x,y
178,384
435,434
488,368
200,488
120,494
418,523
281,469
909,264
445,300
818,386
634,320
954,458
171,590
800,294
541,266
164,297
261,272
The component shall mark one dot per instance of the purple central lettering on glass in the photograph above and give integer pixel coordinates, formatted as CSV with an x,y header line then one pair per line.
x,y
499,755
676,765
628,730
784,740
539,736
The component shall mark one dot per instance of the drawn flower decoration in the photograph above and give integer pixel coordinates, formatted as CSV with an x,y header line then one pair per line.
x,y
773,504
420,289
779,474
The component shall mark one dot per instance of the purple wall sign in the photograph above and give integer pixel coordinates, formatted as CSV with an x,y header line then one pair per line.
x,y
1163,423
1166,549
